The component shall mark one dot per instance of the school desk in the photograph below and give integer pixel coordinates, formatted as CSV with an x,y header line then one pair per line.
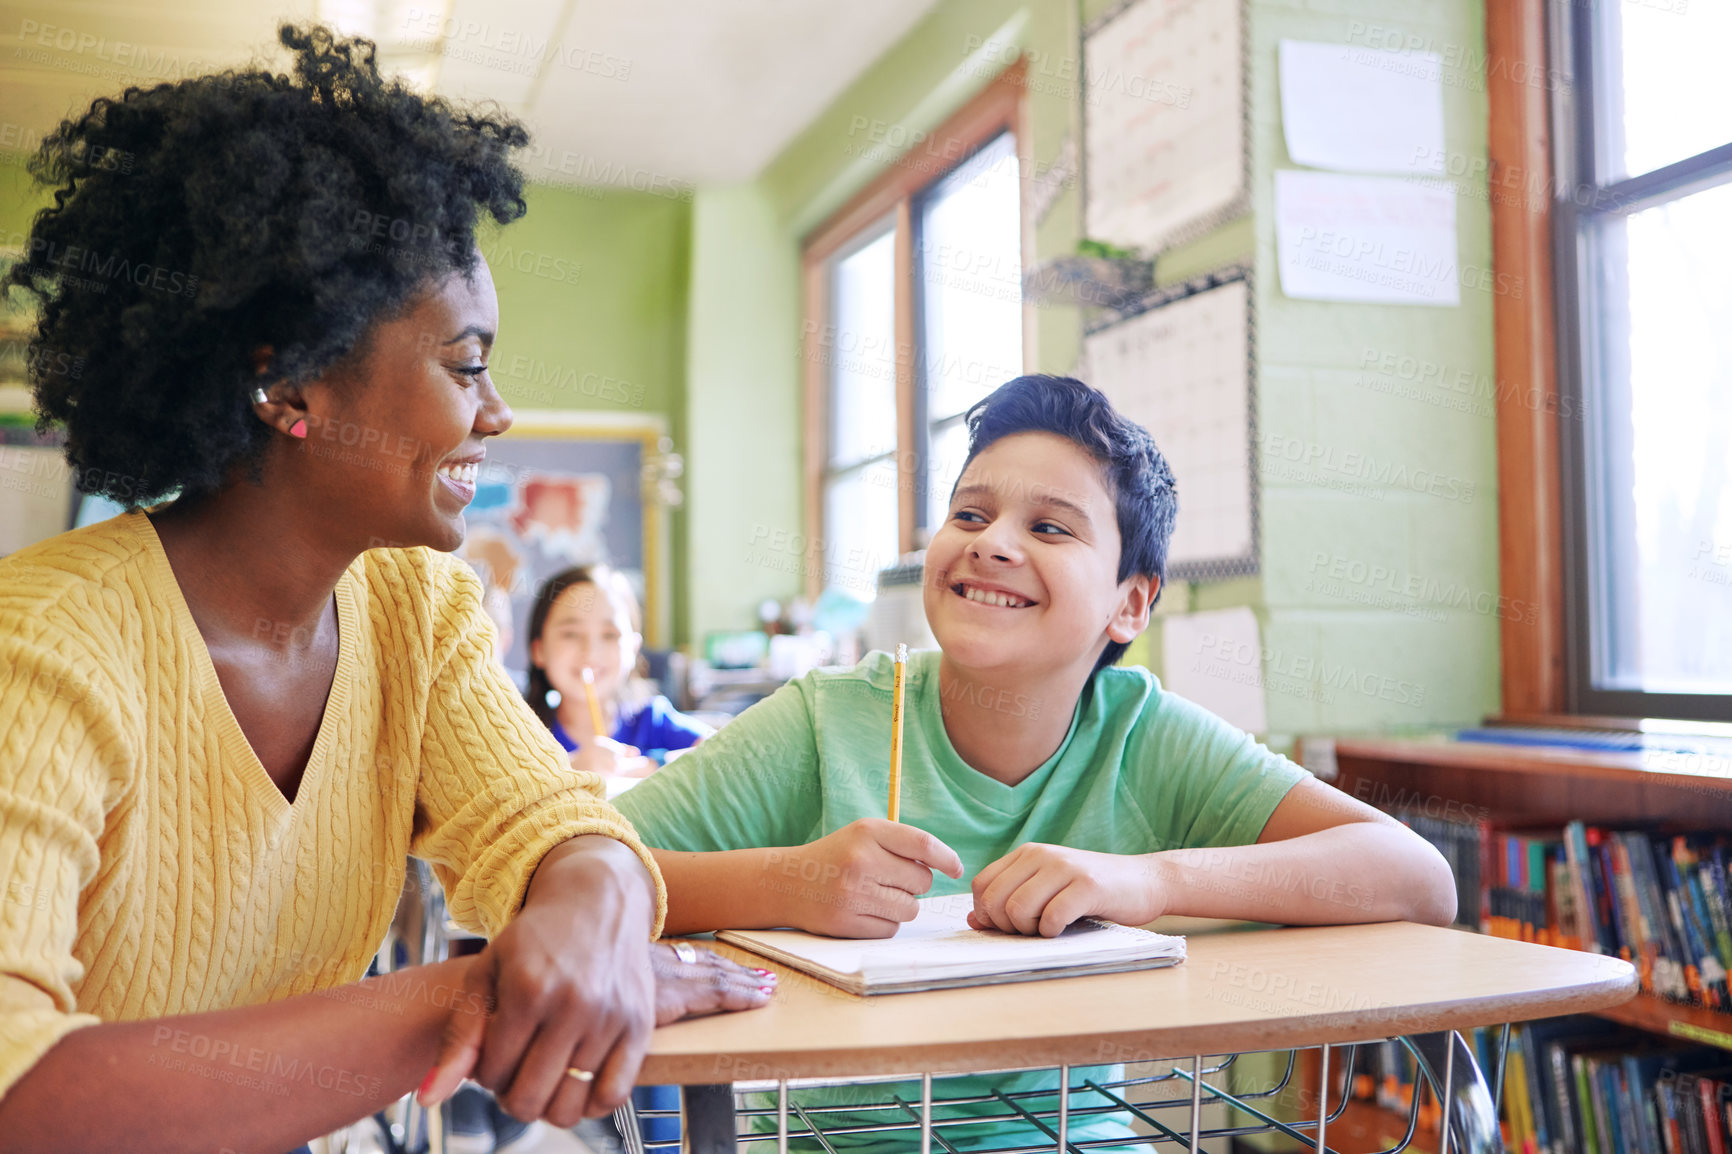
x,y
1239,990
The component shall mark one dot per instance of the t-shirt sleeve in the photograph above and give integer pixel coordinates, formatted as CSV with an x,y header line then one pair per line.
x,y
495,791
64,756
1200,780
754,783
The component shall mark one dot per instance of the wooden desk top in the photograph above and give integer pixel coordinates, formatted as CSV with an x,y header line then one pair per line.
x,y
1237,990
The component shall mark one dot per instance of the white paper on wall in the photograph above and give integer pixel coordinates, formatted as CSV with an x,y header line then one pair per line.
x,y
1163,111
1358,109
1215,659
1366,238
1183,372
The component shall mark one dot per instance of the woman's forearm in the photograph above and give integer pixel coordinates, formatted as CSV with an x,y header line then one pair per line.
x,y
740,889
258,1079
1358,872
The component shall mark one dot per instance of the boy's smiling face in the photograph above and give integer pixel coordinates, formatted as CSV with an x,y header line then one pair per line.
x,y
1023,574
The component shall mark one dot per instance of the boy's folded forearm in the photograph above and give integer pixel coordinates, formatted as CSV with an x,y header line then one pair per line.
x,y
1358,872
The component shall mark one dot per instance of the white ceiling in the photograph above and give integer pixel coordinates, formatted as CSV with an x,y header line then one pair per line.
x,y
628,92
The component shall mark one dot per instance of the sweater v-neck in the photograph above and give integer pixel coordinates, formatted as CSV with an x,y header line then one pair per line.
x,y
229,731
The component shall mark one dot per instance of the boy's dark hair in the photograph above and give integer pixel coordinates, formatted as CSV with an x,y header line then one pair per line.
x,y
196,221
1144,492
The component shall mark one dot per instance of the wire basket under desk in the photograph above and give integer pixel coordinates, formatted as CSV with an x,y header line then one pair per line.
x,y
1166,1104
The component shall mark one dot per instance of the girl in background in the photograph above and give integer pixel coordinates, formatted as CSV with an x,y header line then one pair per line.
x,y
588,618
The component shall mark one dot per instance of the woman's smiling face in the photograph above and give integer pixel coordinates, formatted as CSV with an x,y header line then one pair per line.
x,y
1023,574
397,435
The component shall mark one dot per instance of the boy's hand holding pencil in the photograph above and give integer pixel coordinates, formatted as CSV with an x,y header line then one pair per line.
x,y
862,880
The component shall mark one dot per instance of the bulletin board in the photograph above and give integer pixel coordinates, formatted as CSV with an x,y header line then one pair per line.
x,y
1165,143
1182,368
561,489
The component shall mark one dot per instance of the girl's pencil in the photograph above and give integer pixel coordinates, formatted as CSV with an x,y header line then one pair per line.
x,y
594,703
896,732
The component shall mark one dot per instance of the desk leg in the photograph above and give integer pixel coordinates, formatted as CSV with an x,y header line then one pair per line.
x,y
709,1118
926,1113
1469,1114
1063,1109
1196,1102
1322,1100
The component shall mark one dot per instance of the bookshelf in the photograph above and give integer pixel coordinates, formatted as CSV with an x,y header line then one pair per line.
x,y
1541,787
1531,786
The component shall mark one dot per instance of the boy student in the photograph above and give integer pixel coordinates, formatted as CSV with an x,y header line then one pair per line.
x,y
1050,782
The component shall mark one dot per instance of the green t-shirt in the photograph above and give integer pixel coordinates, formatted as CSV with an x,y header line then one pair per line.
x,y
1140,770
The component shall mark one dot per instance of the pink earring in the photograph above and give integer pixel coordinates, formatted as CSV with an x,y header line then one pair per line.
x,y
299,429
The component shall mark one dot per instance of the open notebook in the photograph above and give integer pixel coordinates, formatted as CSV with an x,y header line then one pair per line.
x,y
938,951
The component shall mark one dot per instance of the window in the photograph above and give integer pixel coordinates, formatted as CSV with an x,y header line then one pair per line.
x,y
913,313
860,509
1644,312
969,258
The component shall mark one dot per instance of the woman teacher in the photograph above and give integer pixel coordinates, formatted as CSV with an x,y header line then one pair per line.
x,y
229,719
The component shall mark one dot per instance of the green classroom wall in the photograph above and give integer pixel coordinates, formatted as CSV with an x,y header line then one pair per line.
x,y
1406,635
1378,604
1375,596
592,298
593,295
743,452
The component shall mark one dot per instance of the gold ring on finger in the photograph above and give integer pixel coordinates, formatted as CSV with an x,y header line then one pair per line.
x,y
580,1075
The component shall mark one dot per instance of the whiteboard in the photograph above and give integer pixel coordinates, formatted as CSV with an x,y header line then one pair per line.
x,y
1164,121
1182,370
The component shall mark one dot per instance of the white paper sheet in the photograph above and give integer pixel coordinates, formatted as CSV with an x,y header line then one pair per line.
x,y
938,945
1215,659
1164,116
1359,109
1183,372
1366,238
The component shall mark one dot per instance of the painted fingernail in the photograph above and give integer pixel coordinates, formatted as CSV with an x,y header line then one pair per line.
x,y
765,974
426,1085
766,990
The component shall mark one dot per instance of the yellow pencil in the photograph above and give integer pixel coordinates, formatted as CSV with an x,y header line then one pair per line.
x,y
896,733
594,703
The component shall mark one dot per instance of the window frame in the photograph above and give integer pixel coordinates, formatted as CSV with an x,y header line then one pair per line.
x,y
1000,107
1582,199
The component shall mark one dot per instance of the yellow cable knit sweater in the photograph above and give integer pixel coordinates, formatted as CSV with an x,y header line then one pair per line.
x,y
149,866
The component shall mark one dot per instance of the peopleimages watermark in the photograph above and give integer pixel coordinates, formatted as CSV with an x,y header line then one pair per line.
x,y
1465,390
795,553
252,1067
1060,74
1310,677
1460,65
509,49
128,60
1421,590
1380,474
1380,795
84,267
1712,563
1364,258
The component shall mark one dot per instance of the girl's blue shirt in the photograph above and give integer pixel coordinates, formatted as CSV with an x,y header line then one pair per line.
x,y
656,728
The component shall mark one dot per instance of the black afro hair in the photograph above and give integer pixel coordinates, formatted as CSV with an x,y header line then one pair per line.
x,y
197,221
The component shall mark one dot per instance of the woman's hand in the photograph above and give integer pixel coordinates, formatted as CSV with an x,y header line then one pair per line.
x,y
862,880
566,985
708,984
1041,889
